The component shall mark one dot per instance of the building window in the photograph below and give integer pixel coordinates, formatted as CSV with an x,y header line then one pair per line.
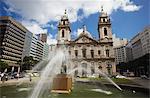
x,y
63,22
84,73
109,68
84,53
69,52
92,53
105,32
104,20
107,53
92,70
76,53
99,52
100,67
63,33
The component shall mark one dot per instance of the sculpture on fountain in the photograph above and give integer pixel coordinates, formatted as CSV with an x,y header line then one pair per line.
x,y
62,83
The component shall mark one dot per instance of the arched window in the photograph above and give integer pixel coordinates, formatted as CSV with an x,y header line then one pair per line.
x,y
100,67
63,33
69,52
105,31
99,52
92,70
84,53
104,20
76,53
63,22
84,66
92,53
107,53
109,69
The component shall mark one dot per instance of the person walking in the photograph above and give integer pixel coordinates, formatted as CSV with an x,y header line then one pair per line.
x,y
30,78
3,77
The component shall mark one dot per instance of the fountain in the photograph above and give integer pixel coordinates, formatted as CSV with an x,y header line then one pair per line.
x,y
51,75
54,76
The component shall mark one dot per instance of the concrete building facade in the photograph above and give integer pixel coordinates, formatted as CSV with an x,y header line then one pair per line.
x,y
141,43
138,53
12,37
42,37
120,54
45,51
36,49
119,49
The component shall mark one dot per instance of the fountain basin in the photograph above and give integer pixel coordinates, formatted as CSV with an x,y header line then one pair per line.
x,y
80,90
62,83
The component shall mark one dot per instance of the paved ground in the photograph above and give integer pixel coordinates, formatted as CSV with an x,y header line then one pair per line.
x,y
16,81
144,82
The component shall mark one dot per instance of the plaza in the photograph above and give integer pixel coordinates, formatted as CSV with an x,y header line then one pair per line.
x,y
70,49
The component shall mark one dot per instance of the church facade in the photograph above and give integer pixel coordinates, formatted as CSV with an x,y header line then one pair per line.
x,y
88,55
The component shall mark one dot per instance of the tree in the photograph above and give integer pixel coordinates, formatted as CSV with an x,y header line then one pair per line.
x,y
19,62
28,62
3,65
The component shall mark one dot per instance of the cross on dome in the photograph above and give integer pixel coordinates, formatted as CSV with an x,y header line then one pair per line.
x,y
84,28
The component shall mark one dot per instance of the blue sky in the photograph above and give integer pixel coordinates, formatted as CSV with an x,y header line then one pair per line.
x,y
128,17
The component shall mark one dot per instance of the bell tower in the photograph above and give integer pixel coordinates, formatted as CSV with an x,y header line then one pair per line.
x,y
104,26
64,30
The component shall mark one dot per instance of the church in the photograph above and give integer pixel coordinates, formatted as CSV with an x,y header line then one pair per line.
x,y
86,52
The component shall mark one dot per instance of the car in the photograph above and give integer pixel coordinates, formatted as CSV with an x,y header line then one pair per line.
x,y
121,77
16,75
144,77
93,76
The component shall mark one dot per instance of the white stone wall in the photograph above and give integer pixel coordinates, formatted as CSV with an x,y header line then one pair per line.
x,y
92,62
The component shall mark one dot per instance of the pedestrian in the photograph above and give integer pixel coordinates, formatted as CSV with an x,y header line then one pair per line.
x,y
17,76
30,78
3,77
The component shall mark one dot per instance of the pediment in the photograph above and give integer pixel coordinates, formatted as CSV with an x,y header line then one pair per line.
x,y
85,39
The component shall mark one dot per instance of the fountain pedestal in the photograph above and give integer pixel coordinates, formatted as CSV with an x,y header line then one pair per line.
x,y
62,83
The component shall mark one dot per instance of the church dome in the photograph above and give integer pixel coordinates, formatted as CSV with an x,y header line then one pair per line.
x,y
85,32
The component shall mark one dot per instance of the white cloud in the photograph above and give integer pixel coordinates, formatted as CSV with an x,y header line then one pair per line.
x,y
131,8
77,33
34,27
44,11
51,40
37,29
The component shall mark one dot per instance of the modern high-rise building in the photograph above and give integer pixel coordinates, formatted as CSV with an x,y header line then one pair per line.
x,y
16,42
117,42
42,37
141,43
129,54
27,44
33,47
36,48
12,37
45,51
120,54
119,49
138,53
